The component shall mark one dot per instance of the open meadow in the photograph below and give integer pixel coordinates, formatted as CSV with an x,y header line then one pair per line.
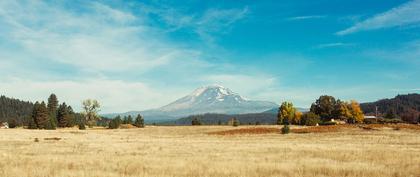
x,y
211,151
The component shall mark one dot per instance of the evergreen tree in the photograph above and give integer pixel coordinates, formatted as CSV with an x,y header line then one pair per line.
x,y
139,122
63,115
195,121
115,123
71,118
52,107
40,115
235,122
129,120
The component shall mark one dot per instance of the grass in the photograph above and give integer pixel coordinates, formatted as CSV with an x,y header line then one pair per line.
x,y
204,151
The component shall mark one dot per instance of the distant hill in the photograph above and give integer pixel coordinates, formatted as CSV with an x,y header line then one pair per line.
x,y
11,108
214,119
406,107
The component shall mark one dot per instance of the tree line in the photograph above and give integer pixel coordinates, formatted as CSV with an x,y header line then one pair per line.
x,y
322,111
127,120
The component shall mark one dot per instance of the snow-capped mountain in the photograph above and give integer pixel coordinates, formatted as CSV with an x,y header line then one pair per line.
x,y
210,99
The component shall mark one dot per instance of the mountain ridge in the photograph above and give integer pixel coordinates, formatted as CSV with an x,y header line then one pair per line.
x,y
208,99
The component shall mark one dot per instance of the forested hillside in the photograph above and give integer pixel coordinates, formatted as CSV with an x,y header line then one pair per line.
x,y
16,109
406,107
215,119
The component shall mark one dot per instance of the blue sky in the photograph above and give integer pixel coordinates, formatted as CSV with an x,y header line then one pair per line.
x,y
136,55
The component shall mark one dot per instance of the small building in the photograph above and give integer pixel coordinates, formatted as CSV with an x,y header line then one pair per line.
x,y
370,117
4,125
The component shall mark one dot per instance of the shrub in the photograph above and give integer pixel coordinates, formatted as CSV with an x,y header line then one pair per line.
x,y
12,123
310,119
82,126
328,123
235,122
195,121
393,121
285,129
370,121
114,124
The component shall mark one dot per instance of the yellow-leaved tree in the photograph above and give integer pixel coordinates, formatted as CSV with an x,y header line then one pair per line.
x,y
356,113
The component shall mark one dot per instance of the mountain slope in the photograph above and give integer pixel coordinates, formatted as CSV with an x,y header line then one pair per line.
x,y
210,99
11,108
406,107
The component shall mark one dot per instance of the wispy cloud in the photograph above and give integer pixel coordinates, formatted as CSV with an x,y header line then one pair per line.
x,y
405,14
308,17
337,44
406,90
408,52
206,24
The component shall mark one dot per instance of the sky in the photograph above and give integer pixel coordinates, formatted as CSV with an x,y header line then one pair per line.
x,y
137,55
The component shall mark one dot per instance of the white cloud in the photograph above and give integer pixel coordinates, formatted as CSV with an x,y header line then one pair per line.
x,y
408,52
305,17
337,44
103,39
116,95
405,14
206,24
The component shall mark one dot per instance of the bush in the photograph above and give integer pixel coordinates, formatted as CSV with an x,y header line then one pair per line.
x,y
370,121
12,123
114,124
195,121
393,121
328,123
285,129
82,126
235,122
310,119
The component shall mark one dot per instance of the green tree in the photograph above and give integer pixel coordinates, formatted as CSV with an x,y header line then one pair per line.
x,y
115,123
40,116
139,122
310,119
235,122
91,109
324,107
286,113
129,119
341,110
285,129
71,118
52,107
63,115
390,114
195,121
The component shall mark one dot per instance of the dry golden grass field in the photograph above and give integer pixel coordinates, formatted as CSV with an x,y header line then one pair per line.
x,y
374,151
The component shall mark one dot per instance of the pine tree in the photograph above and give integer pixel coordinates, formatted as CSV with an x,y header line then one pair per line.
x,y
129,120
235,122
52,108
41,116
72,117
63,115
139,122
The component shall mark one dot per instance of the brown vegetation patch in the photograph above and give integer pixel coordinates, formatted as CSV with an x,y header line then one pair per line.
x,y
127,126
394,126
53,138
254,130
321,129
